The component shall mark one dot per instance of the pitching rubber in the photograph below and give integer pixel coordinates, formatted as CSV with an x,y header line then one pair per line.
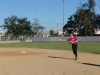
x,y
23,52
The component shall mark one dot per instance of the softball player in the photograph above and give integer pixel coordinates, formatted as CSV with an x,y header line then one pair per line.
x,y
74,41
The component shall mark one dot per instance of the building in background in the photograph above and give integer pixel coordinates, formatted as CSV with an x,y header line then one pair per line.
x,y
60,32
97,32
2,33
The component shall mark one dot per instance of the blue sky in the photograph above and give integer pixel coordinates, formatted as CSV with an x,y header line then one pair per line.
x,y
48,12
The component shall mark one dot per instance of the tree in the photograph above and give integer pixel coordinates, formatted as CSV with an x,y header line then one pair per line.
x,y
83,20
10,24
36,27
71,24
24,26
17,26
86,18
97,21
52,32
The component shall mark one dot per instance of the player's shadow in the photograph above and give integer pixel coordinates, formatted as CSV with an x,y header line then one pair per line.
x,y
97,65
60,57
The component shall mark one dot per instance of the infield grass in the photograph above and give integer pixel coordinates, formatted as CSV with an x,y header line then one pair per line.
x,y
89,47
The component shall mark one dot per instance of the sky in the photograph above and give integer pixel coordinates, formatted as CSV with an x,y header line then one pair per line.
x,y
48,12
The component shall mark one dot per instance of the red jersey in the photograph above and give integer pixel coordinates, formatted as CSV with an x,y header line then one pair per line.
x,y
72,39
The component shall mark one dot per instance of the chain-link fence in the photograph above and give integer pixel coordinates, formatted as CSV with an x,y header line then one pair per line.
x,y
16,38
30,38
80,38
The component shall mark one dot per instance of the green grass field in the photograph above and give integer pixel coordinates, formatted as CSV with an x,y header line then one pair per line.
x,y
89,47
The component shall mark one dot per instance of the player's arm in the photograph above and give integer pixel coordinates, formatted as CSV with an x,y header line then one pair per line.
x,y
62,40
76,40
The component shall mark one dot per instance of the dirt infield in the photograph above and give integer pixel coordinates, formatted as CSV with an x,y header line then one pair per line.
x,y
47,62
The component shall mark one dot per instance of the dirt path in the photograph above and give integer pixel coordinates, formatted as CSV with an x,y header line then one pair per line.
x,y
47,62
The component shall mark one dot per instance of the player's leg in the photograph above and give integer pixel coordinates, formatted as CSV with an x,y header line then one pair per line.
x,y
75,51
74,48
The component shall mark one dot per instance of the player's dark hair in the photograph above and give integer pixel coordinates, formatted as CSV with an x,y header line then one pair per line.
x,y
72,33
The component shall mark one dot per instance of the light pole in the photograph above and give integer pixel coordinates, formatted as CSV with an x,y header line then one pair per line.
x,y
57,27
63,13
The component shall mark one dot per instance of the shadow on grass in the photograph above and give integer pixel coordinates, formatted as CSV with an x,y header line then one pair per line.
x,y
97,65
60,57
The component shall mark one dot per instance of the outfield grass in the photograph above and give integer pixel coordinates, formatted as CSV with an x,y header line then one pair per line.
x,y
89,47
